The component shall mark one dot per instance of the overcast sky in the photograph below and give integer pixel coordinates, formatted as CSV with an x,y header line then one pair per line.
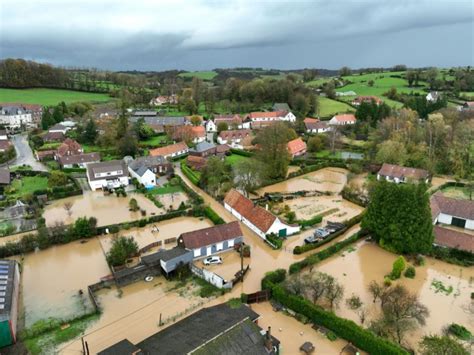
x,y
196,35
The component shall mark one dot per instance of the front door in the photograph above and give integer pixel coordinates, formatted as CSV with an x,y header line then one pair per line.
x,y
226,244
213,249
203,251
282,233
458,222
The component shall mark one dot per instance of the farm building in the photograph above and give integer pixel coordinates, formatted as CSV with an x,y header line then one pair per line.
x,y
9,290
171,151
400,174
257,218
207,241
446,210
108,174
234,138
313,125
79,160
272,116
296,147
342,120
367,99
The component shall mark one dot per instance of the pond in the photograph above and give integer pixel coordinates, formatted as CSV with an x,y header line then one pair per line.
x,y
358,266
352,155
107,209
330,180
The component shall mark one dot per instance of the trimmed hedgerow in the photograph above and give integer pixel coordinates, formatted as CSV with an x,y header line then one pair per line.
x,y
213,216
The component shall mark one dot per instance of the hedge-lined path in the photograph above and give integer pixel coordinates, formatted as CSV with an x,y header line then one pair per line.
x,y
24,154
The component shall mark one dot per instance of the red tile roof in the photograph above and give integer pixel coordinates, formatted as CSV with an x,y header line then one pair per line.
x,y
397,171
169,149
258,216
314,123
198,131
196,162
274,114
347,117
453,239
296,146
229,119
69,147
235,134
450,206
212,235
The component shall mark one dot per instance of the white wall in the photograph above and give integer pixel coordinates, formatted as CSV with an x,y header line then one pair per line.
x,y
98,184
278,224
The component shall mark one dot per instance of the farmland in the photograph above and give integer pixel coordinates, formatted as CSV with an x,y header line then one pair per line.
x,y
328,107
49,97
204,75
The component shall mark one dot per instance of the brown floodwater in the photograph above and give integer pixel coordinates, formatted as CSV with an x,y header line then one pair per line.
x,y
356,269
51,280
307,207
292,169
107,209
325,180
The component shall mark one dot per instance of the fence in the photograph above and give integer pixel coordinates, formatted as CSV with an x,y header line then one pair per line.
x,y
257,297
210,277
150,246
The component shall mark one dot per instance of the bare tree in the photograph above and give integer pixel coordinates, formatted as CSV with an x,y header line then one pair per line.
x,y
376,290
296,285
334,291
317,285
362,313
68,207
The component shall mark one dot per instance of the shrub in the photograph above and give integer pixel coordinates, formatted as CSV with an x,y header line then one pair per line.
x,y
331,336
275,241
133,205
310,222
397,268
122,249
459,331
85,227
213,216
410,272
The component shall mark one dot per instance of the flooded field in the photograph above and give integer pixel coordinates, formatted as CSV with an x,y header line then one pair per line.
x,y
292,169
107,209
166,229
324,180
356,269
51,280
173,200
307,207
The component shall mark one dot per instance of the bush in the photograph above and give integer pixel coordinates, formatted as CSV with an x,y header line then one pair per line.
x,y
243,153
275,241
459,331
85,227
133,205
453,256
273,277
410,272
122,249
213,216
310,222
189,174
397,268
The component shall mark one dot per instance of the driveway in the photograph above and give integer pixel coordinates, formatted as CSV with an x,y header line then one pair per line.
x,y
24,155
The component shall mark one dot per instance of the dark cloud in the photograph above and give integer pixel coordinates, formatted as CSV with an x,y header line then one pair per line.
x,y
158,35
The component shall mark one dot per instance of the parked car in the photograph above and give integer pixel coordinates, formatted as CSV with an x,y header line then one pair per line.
x,y
212,260
321,232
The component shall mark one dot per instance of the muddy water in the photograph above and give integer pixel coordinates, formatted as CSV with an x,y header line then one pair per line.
x,y
307,207
172,201
167,229
51,280
369,262
107,209
327,179
292,169
292,334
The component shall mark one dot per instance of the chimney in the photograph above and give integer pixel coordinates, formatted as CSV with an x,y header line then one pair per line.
x,y
268,340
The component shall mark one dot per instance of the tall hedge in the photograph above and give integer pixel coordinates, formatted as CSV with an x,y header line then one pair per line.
x,y
213,216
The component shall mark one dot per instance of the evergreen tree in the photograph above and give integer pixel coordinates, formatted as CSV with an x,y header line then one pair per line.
x,y
399,217
46,119
90,132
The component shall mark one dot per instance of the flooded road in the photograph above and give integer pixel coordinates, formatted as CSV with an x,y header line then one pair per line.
x,y
107,209
356,269
324,180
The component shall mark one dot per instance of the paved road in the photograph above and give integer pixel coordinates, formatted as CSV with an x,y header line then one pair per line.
x,y
24,155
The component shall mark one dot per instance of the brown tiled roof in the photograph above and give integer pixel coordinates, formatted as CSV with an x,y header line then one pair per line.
x,y
222,148
401,171
257,215
198,131
169,149
347,117
5,144
314,123
69,147
235,134
79,158
268,114
453,239
450,206
54,136
229,119
211,235
296,146
196,162
469,103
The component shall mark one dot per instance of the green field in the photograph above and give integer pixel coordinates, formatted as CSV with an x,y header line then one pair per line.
x,y
154,141
328,107
49,96
27,185
458,192
235,158
204,75
318,82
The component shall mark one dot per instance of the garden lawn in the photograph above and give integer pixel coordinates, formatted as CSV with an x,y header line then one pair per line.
x,y
49,97
327,154
105,153
27,185
166,189
458,192
235,158
328,107
154,141
204,75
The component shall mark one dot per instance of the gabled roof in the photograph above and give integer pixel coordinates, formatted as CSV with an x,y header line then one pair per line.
x,y
198,131
196,162
53,136
203,146
268,114
58,127
347,117
235,134
296,145
397,171
4,176
105,167
79,158
169,149
314,123
212,235
258,216
69,146
148,162
281,106
450,206
453,239
229,119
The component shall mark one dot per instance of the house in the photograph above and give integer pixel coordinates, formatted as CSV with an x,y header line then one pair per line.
x,y
450,211
4,176
69,147
36,111
210,126
168,259
433,96
450,238
203,149
400,174
208,241
296,147
196,134
233,121
313,125
107,175
196,162
199,134
3,135
59,128
234,138
272,116
257,218
157,164
9,302
143,174
42,155
342,120
53,137
78,160
15,116
219,329
164,100
279,106
367,99
171,151
468,106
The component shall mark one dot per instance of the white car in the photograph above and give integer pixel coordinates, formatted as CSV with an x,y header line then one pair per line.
x,y
212,260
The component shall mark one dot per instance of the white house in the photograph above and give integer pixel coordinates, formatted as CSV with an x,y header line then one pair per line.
x,y
108,174
446,210
342,120
15,117
171,151
78,160
234,138
257,218
433,96
272,116
143,174
401,174
59,128
210,126
212,240
313,125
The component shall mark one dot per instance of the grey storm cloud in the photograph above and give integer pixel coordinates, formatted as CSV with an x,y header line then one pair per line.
x,y
156,35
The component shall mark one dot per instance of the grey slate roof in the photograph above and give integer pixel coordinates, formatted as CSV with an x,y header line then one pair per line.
x,y
161,121
106,166
79,158
57,127
124,347
12,110
202,147
142,164
8,274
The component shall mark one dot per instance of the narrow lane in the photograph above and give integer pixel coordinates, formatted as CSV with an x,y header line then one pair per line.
x,y
24,155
